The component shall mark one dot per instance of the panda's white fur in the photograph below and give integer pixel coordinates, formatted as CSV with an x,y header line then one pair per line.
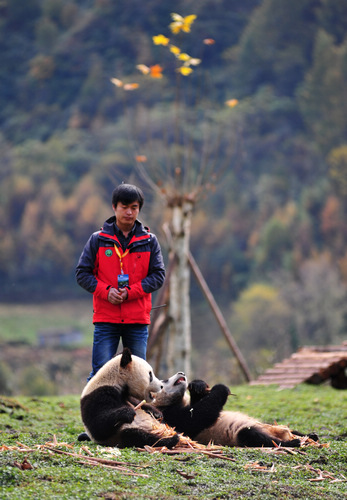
x,y
136,373
109,398
230,428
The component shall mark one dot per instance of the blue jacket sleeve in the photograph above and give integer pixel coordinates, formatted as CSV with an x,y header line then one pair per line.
x,y
85,267
156,272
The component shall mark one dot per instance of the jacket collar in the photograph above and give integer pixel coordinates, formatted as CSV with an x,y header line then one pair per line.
x,y
110,230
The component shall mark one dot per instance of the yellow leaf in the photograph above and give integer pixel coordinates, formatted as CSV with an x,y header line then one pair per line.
x,y
184,57
181,23
175,50
176,26
185,70
116,82
160,40
188,21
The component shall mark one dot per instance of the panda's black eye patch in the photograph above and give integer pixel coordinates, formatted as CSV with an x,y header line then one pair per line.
x,y
150,376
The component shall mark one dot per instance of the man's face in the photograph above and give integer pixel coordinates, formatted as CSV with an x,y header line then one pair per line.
x,y
126,215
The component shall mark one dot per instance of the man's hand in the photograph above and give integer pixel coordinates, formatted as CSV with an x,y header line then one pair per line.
x,y
117,296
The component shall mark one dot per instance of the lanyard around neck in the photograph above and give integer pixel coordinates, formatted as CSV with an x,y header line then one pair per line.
x,y
121,256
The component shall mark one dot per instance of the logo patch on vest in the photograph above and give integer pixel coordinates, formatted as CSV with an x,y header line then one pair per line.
x,y
108,253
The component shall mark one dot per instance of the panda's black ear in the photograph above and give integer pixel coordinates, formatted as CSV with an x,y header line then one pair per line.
x,y
126,358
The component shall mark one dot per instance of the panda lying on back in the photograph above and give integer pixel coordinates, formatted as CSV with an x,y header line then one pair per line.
x,y
191,416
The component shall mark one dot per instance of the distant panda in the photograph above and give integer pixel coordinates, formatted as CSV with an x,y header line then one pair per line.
x,y
108,400
192,415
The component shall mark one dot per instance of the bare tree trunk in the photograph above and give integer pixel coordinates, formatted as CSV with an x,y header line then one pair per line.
x,y
179,335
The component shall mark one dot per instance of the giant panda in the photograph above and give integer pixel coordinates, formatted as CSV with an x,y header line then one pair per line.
x,y
108,405
192,414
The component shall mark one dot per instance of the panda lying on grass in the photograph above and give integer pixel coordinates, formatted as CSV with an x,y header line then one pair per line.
x,y
109,400
111,418
181,410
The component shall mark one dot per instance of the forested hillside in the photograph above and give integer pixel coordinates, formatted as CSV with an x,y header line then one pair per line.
x,y
270,237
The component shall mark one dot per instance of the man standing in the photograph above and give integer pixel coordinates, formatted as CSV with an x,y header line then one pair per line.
x,y
121,265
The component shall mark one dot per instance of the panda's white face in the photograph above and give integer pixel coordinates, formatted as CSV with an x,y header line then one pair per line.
x,y
126,370
173,390
175,383
139,377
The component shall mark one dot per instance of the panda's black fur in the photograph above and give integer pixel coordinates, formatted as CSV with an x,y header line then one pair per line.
x,y
189,417
108,400
200,416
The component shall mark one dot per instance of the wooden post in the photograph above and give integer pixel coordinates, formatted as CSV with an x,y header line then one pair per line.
x,y
219,316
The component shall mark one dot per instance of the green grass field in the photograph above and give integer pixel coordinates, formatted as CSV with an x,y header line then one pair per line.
x,y
22,322
31,471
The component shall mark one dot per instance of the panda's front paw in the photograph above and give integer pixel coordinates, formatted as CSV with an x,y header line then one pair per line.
x,y
222,391
198,388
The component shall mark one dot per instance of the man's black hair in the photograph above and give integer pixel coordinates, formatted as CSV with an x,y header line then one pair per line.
x,y
126,194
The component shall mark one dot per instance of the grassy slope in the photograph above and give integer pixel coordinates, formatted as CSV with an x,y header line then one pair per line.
x,y
21,322
317,408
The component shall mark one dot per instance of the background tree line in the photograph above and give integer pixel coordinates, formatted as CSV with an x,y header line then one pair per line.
x,y
271,237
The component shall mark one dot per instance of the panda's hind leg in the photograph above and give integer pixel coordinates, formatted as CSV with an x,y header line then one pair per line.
x,y
139,439
254,437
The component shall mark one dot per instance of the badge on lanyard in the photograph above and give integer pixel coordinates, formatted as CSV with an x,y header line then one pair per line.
x,y
123,279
